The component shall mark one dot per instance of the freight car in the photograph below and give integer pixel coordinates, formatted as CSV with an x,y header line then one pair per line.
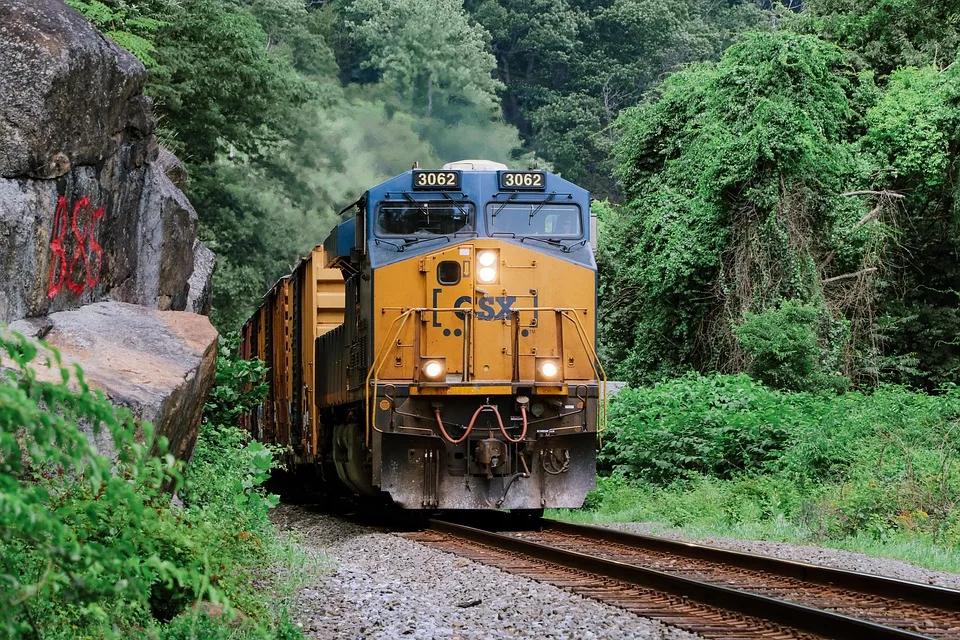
x,y
438,348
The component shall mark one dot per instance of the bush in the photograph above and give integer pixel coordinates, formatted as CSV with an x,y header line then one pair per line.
x,y
71,522
719,426
227,469
785,347
91,547
729,451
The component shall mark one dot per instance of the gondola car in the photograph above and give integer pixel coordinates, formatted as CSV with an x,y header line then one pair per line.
x,y
438,348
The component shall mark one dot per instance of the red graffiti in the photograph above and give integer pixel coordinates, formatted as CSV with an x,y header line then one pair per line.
x,y
87,251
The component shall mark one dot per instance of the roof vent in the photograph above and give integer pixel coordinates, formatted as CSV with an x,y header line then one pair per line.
x,y
474,165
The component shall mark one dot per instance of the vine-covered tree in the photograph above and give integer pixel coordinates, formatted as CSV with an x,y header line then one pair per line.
x,y
570,67
789,174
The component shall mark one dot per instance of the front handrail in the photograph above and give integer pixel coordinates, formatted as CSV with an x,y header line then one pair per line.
x,y
379,359
375,368
595,362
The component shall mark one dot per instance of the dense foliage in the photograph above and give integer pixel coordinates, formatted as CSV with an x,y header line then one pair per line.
x,y
789,215
753,156
94,547
571,66
779,201
788,175
285,110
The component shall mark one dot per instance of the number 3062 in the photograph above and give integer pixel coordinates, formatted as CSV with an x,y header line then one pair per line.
x,y
436,179
529,180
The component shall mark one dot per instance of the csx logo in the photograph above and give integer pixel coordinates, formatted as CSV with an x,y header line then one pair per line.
x,y
489,308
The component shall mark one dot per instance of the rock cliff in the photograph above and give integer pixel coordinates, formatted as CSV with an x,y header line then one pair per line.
x,y
92,219
87,210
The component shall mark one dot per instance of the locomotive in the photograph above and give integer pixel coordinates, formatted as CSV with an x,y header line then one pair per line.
x,y
438,347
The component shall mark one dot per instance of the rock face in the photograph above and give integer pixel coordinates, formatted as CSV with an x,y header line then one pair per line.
x,y
200,295
159,364
88,211
67,91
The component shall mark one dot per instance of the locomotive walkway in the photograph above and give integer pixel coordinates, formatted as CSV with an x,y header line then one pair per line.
x,y
713,592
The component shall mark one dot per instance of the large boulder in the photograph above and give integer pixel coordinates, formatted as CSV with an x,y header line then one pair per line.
x,y
88,211
159,364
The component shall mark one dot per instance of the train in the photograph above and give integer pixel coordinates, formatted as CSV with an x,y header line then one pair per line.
x,y
437,350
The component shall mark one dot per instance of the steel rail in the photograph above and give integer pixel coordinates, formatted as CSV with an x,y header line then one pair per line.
x,y
866,583
790,614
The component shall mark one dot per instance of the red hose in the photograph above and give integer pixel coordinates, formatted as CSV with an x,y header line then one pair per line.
x,y
466,433
473,420
523,434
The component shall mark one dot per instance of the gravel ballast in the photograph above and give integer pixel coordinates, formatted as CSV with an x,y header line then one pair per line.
x,y
800,553
384,586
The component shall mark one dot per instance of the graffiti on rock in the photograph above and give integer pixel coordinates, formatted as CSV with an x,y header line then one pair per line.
x,y
76,260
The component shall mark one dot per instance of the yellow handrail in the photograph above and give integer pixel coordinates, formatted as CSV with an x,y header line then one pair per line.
x,y
375,369
569,313
595,363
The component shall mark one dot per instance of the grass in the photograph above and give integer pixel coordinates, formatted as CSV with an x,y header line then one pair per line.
x,y
875,471
269,598
702,511
74,559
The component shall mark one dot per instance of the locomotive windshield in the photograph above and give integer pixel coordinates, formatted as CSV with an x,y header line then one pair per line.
x,y
535,219
424,218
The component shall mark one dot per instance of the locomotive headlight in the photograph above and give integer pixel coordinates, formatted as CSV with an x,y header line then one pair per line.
x,y
548,370
487,263
433,369
487,274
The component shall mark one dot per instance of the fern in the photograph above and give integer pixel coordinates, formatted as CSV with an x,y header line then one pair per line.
x,y
137,45
132,32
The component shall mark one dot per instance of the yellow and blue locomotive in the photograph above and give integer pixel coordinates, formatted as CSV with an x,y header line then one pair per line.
x,y
438,347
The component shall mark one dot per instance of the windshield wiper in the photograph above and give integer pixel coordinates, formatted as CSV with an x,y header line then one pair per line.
x,y
505,203
407,242
379,241
551,242
418,205
455,203
542,205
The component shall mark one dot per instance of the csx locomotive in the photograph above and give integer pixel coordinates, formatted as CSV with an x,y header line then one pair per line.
x,y
438,348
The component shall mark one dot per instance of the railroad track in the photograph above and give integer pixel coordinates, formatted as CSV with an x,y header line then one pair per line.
x,y
713,592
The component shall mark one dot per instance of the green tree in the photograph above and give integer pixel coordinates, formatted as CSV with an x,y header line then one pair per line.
x,y
570,67
217,87
129,26
914,133
428,51
889,34
786,351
